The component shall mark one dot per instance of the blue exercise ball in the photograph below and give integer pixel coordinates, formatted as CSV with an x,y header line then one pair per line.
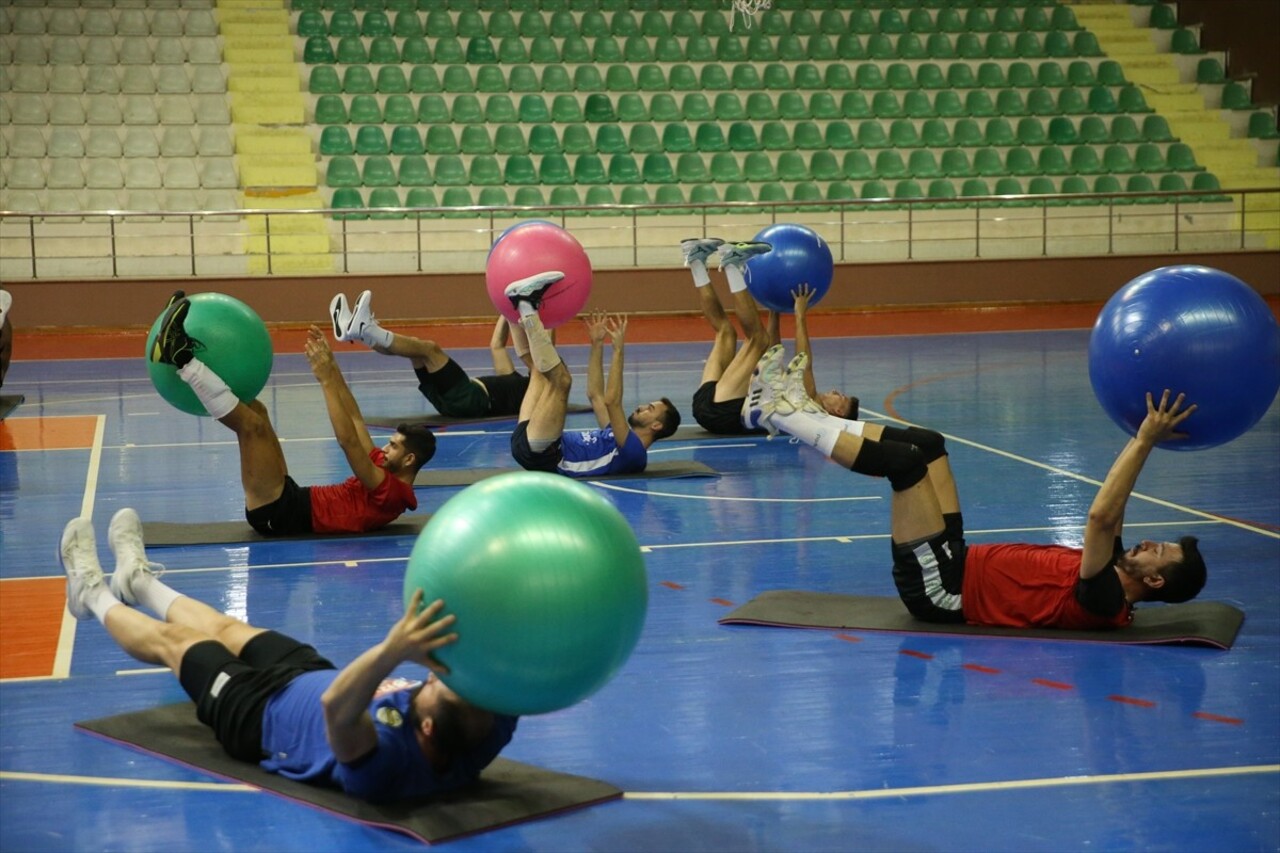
x,y
1196,331
799,257
548,584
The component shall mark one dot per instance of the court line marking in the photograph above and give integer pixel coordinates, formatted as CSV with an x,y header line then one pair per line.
x,y
1082,478
117,782
964,788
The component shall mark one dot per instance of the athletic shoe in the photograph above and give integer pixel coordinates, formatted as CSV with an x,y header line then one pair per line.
x,y
125,538
531,289
361,318
699,248
173,345
78,555
737,254
793,389
340,314
6,301
764,393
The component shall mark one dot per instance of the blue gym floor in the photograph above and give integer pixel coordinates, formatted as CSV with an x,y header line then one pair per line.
x,y
723,738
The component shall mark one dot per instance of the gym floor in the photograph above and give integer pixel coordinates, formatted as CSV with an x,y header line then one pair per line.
x,y
722,738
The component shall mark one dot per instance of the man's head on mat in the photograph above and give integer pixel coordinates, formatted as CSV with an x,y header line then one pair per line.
x,y
410,448
661,416
446,725
1166,571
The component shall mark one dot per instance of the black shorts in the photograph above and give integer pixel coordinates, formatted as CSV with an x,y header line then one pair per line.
x,y
929,575
232,692
452,392
723,418
287,515
546,460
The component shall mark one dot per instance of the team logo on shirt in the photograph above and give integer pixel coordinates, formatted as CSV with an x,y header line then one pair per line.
x,y
389,716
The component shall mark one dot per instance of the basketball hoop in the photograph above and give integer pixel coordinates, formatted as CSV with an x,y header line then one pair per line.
x,y
749,8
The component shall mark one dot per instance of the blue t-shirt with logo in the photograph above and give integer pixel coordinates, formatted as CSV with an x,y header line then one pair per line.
x,y
593,452
293,736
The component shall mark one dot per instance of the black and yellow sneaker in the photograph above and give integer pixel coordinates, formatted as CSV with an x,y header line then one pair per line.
x,y
173,345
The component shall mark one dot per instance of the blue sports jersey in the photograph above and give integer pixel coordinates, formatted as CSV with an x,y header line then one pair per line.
x,y
293,736
592,452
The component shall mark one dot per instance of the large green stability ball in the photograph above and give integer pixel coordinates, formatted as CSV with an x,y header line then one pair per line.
x,y
237,347
548,584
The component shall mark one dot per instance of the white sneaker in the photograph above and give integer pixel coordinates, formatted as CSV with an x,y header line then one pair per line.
x,y
361,318
340,314
78,554
6,302
125,538
531,289
737,254
699,248
793,387
764,393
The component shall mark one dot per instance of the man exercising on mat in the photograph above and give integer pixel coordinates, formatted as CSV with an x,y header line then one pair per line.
x,y
539,442
274,701
717,404
381,486
440,379
939,577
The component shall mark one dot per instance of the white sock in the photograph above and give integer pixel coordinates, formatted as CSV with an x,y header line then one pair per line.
x,y
737,281
851,427
700,275
526,309
818,431
218,400
100,600
545,357
376,336
153,593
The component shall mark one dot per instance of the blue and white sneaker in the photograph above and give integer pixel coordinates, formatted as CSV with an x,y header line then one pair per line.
x,y
78,555
531,289
737,254
699,248
125,538
793,387
765,396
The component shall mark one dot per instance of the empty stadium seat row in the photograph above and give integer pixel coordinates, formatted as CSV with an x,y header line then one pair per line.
x,y
624,23
104,50
125,141
110,173
97,21
76,201
129,79
114,109
724,167
638,6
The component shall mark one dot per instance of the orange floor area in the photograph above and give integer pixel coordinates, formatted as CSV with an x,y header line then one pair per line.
x,y
30,622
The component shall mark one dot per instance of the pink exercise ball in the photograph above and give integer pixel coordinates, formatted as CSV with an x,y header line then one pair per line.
x,y
539,247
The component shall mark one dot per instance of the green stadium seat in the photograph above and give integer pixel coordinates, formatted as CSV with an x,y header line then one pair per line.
x,y
1111,73
955,163
940,46
413,172
839,191
724,167
1042,185
761,107
565,109
880,46
1053,161
534,109
1143,184
809,137
330,109
658,169
449,51
457,197
991,75
372,139
470,23
1101,101
871,134
1172,182
1063,18
1031,131
1020,161
823,166
819,48
960,76
1085,43
808,77
861,21
998,46
343,23
890,165
886,105
365,110
822,105
1080,73
1085,160
987,162
903,134
589,169
929,76
565,196
710,137
1185,41
1020,75
350,202
554,170
978,103
439,23
1009,103
934,133
774,136
356,80
324,80
643,139
695,107
378,172
1006,19
1209,70
490,79
742,137
318,51
1262,125
610,139
999,132
1110,184
637,195
1028,45
1116,159
840,136
975,187
334,140
651,78
480,51
1008,187
1062,131
891,21
466,110
729,107
576,139
475,139
663,107
923,163
485,171
586,78
907,190
636,49
391,80
1071,102
682,78
691,168
676,138
519,170
793,106
849,47
1124,129
731,48
1075,185
441,139
1051,75
1094,130
1182,158
948,104
510,139
758,166
597,108
967,133
1236,96
511,51
852,105
876,189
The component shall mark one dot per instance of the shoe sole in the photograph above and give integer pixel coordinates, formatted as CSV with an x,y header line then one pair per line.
x,y
362,303
171,317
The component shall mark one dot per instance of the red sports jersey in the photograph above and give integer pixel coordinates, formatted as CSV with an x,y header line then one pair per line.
x,y
1029,586
348,507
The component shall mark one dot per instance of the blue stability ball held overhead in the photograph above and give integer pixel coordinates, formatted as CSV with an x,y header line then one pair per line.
x,y
548,585
1193,330
799,256
234,344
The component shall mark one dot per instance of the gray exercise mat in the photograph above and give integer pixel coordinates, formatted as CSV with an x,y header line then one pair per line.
x,y
508,792
162,533
9,402
1203,623
665,470
433,419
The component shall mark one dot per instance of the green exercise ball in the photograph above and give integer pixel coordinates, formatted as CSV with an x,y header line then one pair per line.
x,y
546,579
235,345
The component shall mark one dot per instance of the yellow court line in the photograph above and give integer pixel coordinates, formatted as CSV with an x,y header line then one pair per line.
x,y
968,788
115,782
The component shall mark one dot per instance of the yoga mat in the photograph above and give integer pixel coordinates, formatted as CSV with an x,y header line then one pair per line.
x,y
9,402
1203,623
161,533
665,470
507,792
432,419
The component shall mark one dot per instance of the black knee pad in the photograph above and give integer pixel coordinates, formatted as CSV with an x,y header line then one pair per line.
x,y
903,464
930,442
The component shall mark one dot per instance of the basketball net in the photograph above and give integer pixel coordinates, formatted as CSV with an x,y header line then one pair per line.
x,y
749,8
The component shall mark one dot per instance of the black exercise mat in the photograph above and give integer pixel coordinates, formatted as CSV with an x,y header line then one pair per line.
x,y
1204,623
665,470
433,419
9,402
508,792
160,533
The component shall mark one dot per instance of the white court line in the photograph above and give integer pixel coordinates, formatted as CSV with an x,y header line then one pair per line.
x,y
116,782
967,788
1074,476
729,498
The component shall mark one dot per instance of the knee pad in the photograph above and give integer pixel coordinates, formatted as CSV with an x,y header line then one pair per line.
x,y
902,464
930,442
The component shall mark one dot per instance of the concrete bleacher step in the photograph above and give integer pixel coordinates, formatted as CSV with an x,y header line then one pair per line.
x,y
273,140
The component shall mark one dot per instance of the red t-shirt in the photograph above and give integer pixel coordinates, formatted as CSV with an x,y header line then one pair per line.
x,y
1029,586
348,507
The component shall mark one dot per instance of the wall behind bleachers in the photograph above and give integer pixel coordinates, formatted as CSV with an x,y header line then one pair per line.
x,y
1247,28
